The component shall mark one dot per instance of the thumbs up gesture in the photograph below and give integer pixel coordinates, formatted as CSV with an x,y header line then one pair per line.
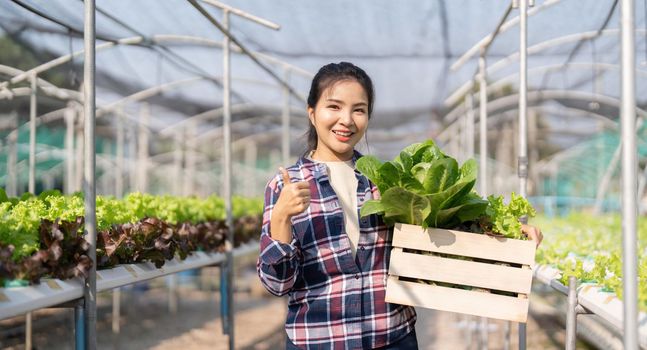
x,y
294,198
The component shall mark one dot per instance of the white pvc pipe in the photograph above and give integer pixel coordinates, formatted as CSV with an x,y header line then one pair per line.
x,y
469,132
523,130
12,158
483,127
227,177
142,149
507,25
629,169
523,99
70,115
119,162
32,135
89,185
243,14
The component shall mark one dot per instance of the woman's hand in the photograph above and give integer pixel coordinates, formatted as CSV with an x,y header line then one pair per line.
x,y
533,233
293,200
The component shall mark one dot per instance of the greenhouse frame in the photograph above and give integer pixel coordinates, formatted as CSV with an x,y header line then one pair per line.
x,y
189,110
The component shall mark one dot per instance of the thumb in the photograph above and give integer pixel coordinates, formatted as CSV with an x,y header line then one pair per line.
x,y
285,176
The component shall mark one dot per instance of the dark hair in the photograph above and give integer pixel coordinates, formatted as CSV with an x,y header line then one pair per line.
x,y
326,77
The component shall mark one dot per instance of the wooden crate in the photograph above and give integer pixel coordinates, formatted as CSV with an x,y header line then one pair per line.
x,y
516,278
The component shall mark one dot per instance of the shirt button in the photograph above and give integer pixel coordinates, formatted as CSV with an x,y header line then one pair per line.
x,y
364,221
361,248
357,276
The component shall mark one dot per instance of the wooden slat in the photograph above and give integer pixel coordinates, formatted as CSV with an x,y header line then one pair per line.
x,y
463,272
524,295
457,300
464,244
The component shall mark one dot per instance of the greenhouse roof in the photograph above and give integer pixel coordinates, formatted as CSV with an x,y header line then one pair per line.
x,y
407,48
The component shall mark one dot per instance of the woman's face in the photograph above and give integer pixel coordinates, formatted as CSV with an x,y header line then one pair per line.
x,y
340,118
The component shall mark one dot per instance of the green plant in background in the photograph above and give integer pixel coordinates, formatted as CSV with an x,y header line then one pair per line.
x,y
588,247
43,235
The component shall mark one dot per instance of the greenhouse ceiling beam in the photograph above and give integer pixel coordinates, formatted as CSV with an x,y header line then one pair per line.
x,y
158,89
162,50
217,113
496,86
49,88
236,49
202,41
243,14
503,116
474,50
539,96
564,111
542,95
219,129
112,106
500,83
505,62
133,41
247,52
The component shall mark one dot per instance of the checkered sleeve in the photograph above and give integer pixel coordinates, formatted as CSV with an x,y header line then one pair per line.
x,y
278,263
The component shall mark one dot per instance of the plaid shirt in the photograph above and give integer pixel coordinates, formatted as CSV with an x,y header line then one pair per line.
x,y
335,301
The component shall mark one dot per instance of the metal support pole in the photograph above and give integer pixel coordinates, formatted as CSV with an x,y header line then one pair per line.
x,y
523,101
571,314
483,127
285,120
172,294
191,149
119,163
78,164
12,158
70,114
116,311
32,135
229,269
142,149
89,186
119,193
132,156
483,334
251,155
470,331
507,333
177,162
629,169
603,186
28,331
469,126
641,190
79,326
523,128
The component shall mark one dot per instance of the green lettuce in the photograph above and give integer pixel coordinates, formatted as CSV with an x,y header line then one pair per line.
x,y
423,186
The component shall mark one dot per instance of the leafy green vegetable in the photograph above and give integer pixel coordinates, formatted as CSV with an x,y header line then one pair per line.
x,y
423,186
505,218
43,235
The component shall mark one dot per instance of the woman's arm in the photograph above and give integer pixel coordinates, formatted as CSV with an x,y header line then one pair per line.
x,y
278,262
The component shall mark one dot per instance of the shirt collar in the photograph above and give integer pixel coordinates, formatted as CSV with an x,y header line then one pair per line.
x,y
319,169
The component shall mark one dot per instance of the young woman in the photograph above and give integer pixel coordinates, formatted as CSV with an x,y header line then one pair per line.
x,y
332,263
